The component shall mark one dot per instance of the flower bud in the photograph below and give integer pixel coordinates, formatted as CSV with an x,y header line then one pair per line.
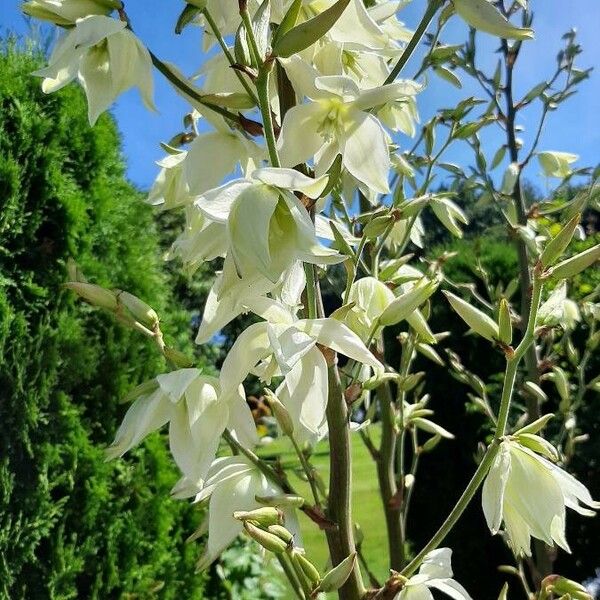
x,y
140,311
483,15
574,265
267,540
557,245
538,444
533,389
94,294
66,12
403,306
280,412
504,322
282,532
561,586
306,566
377,380
336,578
477,320
281,500
377,226
536,426
265,516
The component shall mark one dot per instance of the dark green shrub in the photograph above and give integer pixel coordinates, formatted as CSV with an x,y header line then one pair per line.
x,y
71,525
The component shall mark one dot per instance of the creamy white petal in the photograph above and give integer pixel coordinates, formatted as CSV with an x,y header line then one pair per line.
x,y
300,139
437,564
338,337
492,495
175,383
291,179
216,204
365,151
450,588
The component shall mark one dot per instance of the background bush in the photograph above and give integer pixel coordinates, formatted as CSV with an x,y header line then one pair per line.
x,y
71,525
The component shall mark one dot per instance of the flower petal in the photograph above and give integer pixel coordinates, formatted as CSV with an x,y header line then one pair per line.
x,y
300,139
365,151
492,496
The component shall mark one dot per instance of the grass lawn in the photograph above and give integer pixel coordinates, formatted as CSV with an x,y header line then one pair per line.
x,y
367,509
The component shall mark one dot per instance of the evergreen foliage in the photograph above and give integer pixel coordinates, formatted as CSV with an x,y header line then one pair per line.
x,y
71,525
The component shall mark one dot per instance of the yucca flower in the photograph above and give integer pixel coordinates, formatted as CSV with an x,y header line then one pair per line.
x,y
66,12
435,573
105,57
530,495
197,414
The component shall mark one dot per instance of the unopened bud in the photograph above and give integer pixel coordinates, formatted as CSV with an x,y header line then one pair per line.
x,y
431,443
280,413
409,382
377,380
281,500
179,359
267,540
94,294
563,586
504,322
264,516
306,566
282,532
536,426
538,444
574,265
477,320
535,390
336,578
377,226
140,311
557,245
402,307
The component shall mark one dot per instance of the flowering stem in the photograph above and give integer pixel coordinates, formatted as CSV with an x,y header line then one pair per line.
x,y
457,511
308,471
507,392
284,561
432,8
339,508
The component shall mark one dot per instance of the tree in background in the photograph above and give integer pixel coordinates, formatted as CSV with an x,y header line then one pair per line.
x,y
72,525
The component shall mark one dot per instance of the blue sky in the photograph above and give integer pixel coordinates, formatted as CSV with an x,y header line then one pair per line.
x,y
575,128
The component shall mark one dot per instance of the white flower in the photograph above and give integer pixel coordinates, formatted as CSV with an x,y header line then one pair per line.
x,y
558,309
232,485
338,122
170,188
556,164
268,228
106,58
197,415
530,494
285,346
435,572
66,12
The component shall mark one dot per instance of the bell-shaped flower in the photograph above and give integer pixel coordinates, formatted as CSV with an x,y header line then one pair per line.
x,y
435,573
530,495
210,158
66,12
338,121
200,241
449,214
559,310
105,57
170,188
557,164
268,228
197,414
285,346
232,485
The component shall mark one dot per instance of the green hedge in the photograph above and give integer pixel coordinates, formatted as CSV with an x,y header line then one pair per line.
x,y
71,525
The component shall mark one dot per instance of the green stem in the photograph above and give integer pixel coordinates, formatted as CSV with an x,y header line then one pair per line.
x,y
341,538
308,471
503,413
291,576
262,87
457,511
387,477
189,90
230,58
432,8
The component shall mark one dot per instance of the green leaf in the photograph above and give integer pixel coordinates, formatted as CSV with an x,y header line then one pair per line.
x,y
306,34
188,14
289,20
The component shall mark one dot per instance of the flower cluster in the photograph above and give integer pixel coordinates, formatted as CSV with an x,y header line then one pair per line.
x,y
317,81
